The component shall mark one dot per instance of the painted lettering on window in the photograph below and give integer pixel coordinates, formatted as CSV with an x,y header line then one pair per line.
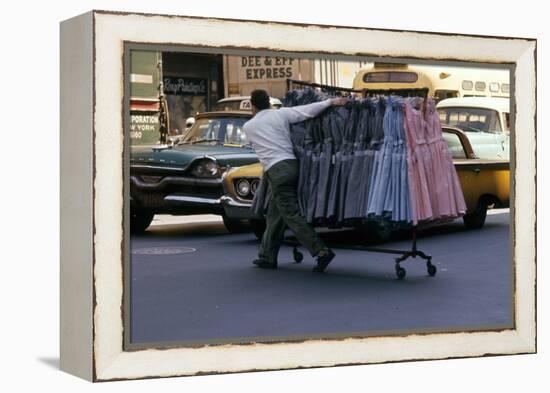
x,y
267,67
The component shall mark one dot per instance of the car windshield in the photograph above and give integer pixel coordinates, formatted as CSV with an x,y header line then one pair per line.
x,y
471,119
217,130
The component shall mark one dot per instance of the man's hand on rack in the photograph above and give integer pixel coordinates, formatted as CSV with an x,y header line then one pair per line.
x,y
339,101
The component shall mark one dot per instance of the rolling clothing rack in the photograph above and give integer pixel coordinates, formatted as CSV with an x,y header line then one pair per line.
x,y
414,252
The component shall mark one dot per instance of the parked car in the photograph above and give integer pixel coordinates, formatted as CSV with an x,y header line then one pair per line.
x,y
485,120
485,183
186,177
242,103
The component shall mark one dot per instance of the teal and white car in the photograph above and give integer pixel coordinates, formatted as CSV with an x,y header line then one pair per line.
x,y
485,120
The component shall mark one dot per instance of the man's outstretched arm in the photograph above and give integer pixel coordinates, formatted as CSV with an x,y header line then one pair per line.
x,y
300,113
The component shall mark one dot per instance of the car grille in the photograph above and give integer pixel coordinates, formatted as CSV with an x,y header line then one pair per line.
x,y
149,199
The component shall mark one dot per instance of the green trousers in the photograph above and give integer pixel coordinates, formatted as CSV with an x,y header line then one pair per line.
x,y
283,211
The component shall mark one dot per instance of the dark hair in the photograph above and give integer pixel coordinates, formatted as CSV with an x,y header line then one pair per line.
x,y
260,99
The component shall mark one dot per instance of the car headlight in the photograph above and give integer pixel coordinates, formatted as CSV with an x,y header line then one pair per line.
x,y
243,187
205,168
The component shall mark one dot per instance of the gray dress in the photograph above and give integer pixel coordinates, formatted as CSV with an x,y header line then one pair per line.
x,y
325,167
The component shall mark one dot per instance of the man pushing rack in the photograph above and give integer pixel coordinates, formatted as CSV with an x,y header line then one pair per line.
x,y
269,133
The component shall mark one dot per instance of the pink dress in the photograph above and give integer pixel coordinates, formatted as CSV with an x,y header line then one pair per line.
x,y
434,185
417,169
450,198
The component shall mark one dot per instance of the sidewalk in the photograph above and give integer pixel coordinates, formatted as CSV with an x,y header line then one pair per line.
x,y
166,219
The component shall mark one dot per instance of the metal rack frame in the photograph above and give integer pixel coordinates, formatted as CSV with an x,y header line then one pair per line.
x,y
291,82
414,252
403,92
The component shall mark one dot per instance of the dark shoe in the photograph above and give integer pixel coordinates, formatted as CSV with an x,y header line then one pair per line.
x,y
326,256
264,264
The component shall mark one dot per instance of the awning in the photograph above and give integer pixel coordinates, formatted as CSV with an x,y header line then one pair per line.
x,y
144,105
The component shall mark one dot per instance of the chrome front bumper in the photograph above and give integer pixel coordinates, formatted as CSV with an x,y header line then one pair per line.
x,y
236,209
178,194
190,200
177,180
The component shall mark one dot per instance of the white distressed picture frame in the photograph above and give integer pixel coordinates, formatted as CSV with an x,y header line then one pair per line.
x,y
92,214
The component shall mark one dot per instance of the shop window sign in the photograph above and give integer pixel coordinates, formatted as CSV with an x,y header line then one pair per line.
x,y
144,128
183,86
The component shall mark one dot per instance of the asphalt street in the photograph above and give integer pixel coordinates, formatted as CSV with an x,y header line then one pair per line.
x,y
193,282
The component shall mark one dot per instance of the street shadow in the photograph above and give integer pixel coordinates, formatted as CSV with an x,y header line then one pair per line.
x,y
52,362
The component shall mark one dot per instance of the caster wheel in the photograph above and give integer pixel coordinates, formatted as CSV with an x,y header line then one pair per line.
x,y
432,270
400,272
298,256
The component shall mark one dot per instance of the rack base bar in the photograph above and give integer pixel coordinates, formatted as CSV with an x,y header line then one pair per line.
x,y
399,270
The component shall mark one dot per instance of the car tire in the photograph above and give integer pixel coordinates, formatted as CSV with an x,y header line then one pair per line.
x,y
140,219
236,225
258,227
476,219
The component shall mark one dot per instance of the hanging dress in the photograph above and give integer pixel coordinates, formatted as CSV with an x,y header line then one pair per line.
x,y
353,191
347,157
418,155
449,198
325,166
339,118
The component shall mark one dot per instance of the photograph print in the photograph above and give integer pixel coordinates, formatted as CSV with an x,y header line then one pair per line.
x,y
278,197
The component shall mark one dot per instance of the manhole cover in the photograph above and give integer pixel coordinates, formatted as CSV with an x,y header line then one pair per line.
x,y
163,250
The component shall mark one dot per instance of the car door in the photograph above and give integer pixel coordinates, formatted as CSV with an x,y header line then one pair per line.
x,y
490,145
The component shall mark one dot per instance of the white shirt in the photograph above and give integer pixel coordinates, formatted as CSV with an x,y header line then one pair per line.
x,y
269,131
